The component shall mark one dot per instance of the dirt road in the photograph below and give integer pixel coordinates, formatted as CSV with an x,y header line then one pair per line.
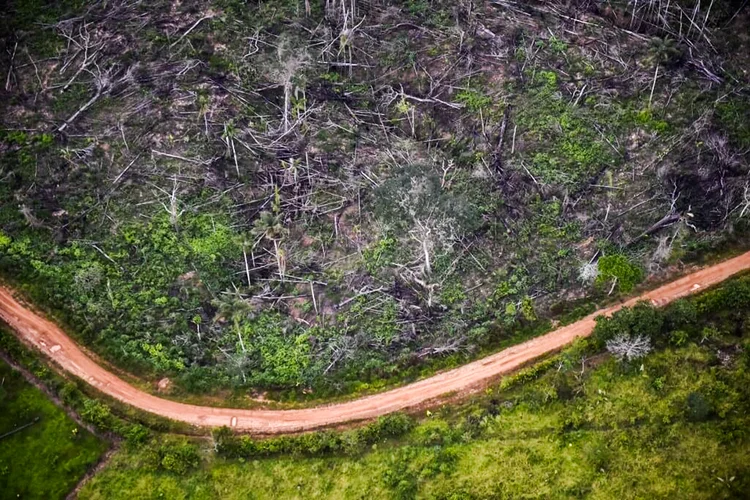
x,y
52,341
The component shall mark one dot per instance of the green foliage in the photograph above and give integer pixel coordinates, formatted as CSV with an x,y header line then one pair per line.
x,y
566,144
641,319
452,293
269,225
619,267
282,352
684,417
556,45
664,51
645,118
48,458
157,356
136,435
407,467
474,100
527,309
379,254
120,304
382,327
681,314
97,413
175,456
314,443
213,241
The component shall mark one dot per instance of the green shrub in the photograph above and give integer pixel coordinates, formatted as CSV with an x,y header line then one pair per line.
x,y
176,457
641,319
698,409
97,413
681,314
434,432
136,434
318,443
619,267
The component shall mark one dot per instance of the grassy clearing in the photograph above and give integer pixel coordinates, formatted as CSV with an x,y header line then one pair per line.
x,y
47,459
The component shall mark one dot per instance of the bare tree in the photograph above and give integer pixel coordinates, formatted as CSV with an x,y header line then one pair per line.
x,y
629,347
433,230
290,62
588,272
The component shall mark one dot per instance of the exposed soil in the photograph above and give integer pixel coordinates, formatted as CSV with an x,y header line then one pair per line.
x,y
53,342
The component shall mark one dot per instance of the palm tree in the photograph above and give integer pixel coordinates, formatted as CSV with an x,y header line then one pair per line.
x,y
268,226
235,309
664,51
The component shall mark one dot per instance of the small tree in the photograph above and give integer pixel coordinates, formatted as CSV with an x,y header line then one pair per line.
x,y
618,269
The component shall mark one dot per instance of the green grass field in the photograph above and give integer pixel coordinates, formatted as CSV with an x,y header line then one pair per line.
x,y
47,459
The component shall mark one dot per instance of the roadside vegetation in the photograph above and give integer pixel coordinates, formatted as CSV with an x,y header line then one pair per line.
x,y
43,452
315,199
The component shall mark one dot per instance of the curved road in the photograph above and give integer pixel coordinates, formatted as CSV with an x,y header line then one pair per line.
x,y
53,342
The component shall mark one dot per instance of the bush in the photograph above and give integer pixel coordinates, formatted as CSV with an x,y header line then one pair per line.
x,y
70,394
681,314
434,433
699,409
176,457
732,296
641,320
228,445
97,413
136,435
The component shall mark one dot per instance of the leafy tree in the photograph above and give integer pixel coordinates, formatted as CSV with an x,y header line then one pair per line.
x,y
618,267
176,457
681,314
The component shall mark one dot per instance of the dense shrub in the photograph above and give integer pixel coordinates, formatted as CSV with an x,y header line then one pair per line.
x,y
97,413
314,443
176,457
639,320
136,434
619,267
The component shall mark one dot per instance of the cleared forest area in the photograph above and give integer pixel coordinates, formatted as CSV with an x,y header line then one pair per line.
x,y
321,198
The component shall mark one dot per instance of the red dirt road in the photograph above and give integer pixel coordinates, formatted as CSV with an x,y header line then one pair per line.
x,y
53,342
